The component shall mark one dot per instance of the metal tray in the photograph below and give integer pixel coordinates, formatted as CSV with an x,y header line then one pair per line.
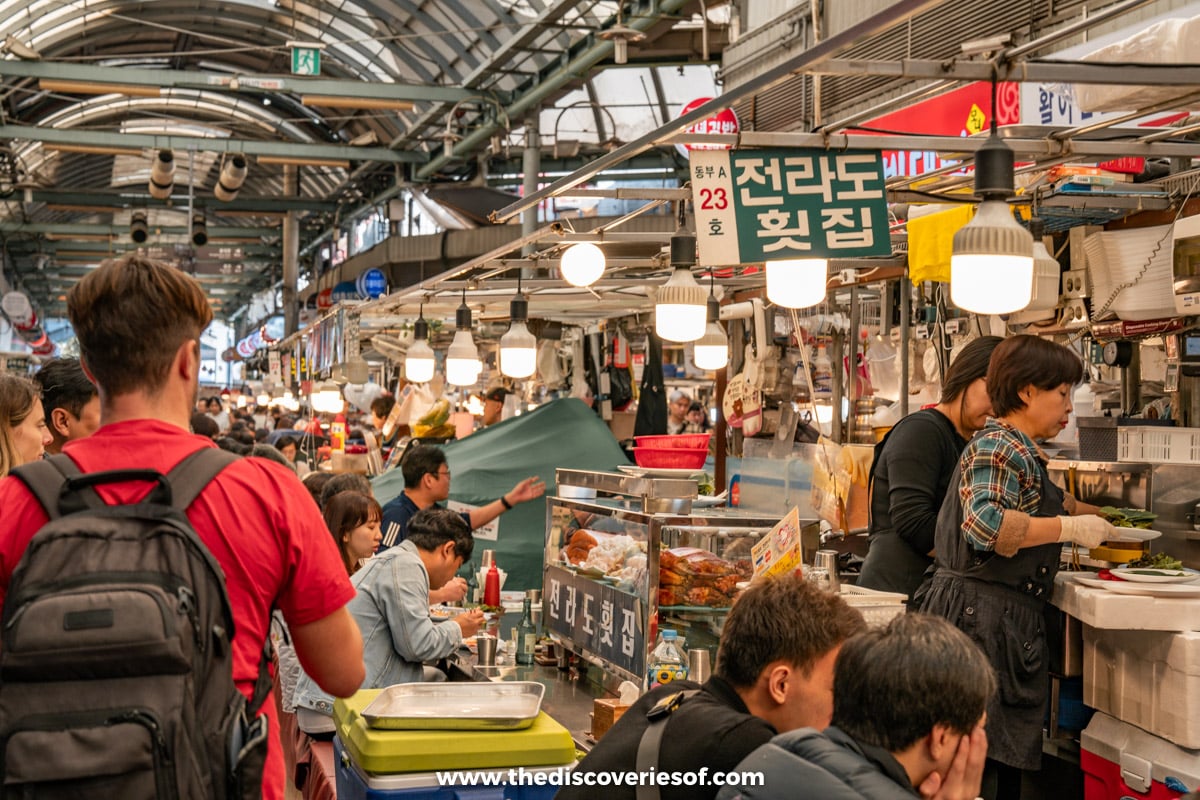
x,y
511,705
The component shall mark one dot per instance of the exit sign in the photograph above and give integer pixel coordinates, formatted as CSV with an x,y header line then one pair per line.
x,y
306,57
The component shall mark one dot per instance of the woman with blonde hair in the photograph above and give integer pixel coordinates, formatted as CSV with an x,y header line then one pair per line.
x,y
23,431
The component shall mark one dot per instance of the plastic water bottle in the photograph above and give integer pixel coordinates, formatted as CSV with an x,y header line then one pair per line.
x,y
822,373
666,661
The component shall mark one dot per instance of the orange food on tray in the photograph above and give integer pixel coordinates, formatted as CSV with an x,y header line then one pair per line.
x,y
689,576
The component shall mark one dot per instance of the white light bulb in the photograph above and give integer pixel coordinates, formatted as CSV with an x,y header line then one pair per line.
x,y
518,351
419,362
681,308
711,350
797,282
462,360
582,264
991,269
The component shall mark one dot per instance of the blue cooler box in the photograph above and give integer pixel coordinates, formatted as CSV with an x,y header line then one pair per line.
x,y
354,784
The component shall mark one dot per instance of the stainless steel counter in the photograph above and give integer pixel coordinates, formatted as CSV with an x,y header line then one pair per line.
x,y
569,694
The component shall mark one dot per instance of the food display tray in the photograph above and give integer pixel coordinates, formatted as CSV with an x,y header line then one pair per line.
x,y
511,705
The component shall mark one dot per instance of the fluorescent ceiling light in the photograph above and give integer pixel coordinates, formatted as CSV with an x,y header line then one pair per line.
x,y
295,161
371,103
93,149
93,87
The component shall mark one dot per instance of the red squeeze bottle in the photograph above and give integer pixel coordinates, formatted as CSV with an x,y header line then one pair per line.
x,y
491,586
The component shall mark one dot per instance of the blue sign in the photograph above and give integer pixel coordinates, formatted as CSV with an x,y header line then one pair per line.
x,y
371,284
345,290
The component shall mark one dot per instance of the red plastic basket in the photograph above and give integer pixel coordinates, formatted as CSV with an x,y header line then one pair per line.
x,y
669,457
682,441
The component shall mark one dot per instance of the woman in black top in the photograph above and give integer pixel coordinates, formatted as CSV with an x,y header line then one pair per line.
x,y
911,472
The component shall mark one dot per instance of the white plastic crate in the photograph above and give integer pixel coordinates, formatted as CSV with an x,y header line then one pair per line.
x,y
1157,445
878,608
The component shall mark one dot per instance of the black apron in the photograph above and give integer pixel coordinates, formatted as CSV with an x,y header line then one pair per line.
x,y
999,602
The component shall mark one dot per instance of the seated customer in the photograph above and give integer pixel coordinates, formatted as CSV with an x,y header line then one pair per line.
x,y
774,673
391,608
909,704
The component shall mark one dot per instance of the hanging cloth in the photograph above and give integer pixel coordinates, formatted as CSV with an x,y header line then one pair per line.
x,y
652,398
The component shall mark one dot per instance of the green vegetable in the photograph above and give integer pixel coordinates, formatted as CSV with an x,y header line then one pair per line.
x,y
1156,561
704,484
1127,517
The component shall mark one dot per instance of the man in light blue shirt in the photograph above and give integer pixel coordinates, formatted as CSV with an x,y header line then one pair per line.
x,y
391,608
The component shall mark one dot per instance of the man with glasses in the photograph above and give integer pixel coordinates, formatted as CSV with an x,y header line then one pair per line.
x,y
427,483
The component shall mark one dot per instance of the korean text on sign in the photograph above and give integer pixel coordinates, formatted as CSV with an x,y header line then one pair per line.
x,y
762,205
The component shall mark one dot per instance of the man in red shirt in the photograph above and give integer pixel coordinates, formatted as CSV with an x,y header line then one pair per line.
x,y
138,325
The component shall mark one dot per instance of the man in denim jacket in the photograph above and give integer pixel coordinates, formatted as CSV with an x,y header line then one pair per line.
x,y
391,607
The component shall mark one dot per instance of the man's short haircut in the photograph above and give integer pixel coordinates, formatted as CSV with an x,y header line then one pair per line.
x,y
270,453
382,406
17,396
1025,360
680,394
205,425
422,460
345,482
285,441
892,685
431,528
782,619
64,385
316,482
131,315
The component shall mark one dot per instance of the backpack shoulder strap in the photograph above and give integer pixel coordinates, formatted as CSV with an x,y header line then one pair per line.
x,y
47,478
189,477
187,480
651,741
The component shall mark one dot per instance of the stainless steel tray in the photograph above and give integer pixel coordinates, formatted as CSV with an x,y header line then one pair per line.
x,y
456,706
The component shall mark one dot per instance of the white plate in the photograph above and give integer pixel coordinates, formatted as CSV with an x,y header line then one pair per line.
x,y
652,472
1135,535
1136,575
1155,589
443,613
705,500
1094,583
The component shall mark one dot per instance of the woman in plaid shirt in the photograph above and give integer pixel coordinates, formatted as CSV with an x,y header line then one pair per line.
x,y
999,542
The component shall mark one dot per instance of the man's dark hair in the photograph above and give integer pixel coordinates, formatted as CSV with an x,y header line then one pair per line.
x,y
433,527
205,425
270,453
316,482
233,446
345,482
1025,360
260,435
382,406
891,685
782,619
422,460
64,385
284,441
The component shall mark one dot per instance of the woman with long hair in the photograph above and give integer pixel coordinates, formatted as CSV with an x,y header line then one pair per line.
x,y
353,518
912,468
23,431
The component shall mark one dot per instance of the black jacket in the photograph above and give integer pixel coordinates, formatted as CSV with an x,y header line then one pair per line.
x,y
909,479
807,763
713,729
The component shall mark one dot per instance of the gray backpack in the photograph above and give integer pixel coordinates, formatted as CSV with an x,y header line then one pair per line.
x,y
116,675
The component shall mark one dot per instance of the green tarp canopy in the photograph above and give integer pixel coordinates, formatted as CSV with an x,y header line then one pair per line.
x,y
486,464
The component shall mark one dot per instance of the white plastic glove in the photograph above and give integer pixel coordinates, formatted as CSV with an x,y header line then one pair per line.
x,y
1087,530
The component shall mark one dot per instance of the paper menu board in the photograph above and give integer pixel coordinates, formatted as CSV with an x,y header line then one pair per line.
x,y
778,552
